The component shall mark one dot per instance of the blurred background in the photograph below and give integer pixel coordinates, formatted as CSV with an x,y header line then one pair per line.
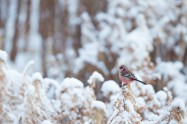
x,y
74,38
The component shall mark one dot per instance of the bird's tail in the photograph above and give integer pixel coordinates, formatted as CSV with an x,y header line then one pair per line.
x,y
141,81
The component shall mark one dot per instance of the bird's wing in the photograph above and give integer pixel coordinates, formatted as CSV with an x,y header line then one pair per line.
x,y
128,75
131,76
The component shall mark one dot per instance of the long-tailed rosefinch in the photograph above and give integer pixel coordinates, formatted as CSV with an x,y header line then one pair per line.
x,y
126,76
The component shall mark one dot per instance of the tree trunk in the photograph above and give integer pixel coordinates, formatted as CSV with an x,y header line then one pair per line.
x,y
16,34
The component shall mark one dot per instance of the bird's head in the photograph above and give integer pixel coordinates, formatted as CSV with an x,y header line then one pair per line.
x,y
121,67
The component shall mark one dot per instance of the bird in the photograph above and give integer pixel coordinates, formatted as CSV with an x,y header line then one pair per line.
x,y
126,76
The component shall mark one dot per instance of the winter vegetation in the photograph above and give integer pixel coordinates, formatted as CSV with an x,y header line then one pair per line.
x,y
59,61
36,100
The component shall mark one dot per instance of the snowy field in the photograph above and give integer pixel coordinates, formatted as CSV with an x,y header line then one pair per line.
x,y
59,61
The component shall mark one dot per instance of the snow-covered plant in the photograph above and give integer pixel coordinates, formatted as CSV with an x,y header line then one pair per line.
x,y
173,78
125,109
110,89
3,89
98,112
3,57
177,111
94,78
72,103
11,98
142,105
36,103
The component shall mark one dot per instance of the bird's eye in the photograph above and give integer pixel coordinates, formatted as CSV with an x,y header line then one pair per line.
x,y
120,67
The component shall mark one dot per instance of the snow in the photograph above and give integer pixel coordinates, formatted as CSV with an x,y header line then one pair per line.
x,y
37,77
46,122
95,77
98,105
161,96
13,84
135,37
70,83
177,103
30,90
29,64
148,89
140,101
110,86
171,72
173,122
3,55
169,67
126,32
114,114
67,99
50,86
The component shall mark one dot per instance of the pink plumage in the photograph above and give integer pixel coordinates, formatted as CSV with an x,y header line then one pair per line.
x,y
126,76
